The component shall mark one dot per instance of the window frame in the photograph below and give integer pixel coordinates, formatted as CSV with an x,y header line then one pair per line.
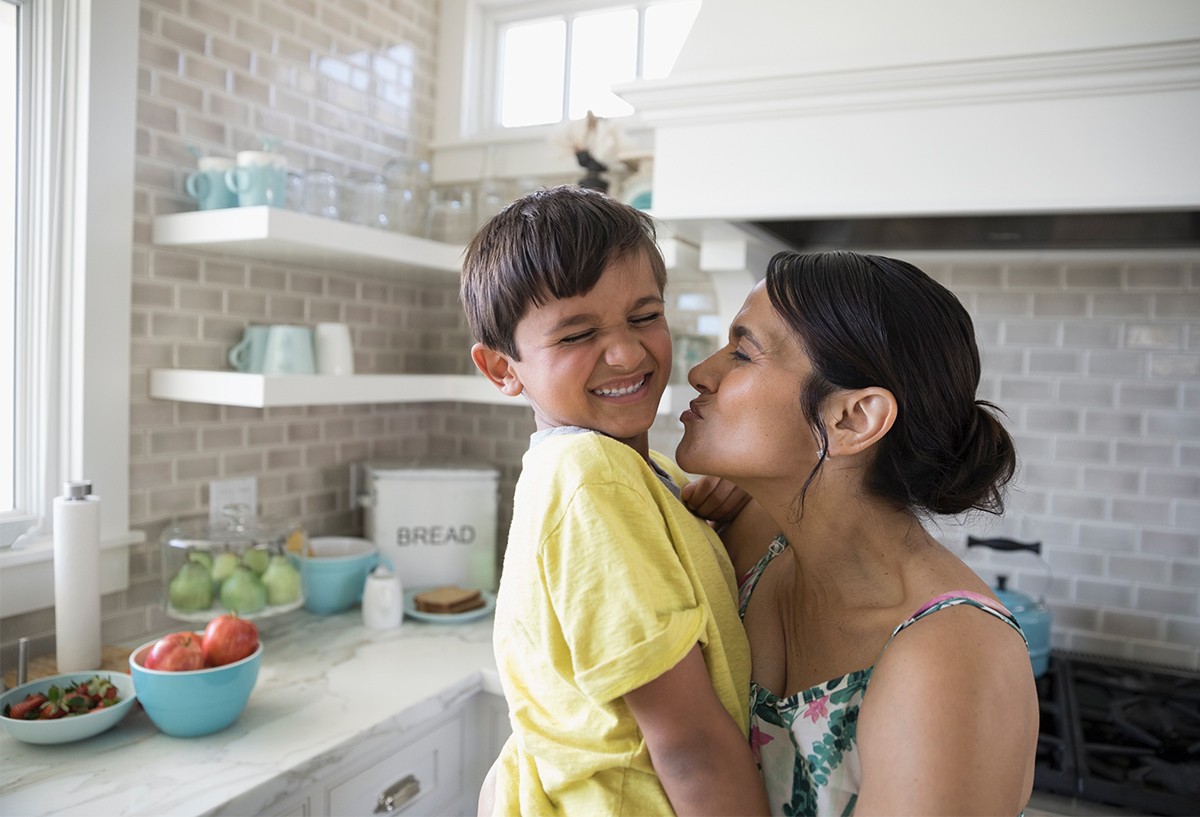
x,y
481,20
82,82
11,521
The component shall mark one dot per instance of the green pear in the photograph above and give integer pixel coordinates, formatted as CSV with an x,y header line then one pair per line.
x,y
243,592
191,588
257,560
223,566
202,557
282,581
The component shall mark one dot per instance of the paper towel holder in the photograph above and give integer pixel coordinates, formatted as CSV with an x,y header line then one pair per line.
x,y
77,489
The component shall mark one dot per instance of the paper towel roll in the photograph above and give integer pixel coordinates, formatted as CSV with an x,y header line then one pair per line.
x,y
77,578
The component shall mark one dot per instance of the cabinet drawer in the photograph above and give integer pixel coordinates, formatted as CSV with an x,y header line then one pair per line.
x,y
434,760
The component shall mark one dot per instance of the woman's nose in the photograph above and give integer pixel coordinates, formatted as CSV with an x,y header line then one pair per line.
x,y
703,375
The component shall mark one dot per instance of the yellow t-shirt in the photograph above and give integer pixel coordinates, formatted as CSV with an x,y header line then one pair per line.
x,y
608,582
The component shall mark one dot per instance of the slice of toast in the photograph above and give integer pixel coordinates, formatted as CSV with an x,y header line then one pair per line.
x,y
448,599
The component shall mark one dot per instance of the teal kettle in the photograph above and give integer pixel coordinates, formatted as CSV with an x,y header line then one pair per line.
x,y
1032,614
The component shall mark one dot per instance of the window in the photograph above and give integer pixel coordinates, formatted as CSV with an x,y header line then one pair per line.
x,y
554,65
68,71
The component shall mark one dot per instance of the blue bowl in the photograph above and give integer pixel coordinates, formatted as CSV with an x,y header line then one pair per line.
x,y
334,572
190,704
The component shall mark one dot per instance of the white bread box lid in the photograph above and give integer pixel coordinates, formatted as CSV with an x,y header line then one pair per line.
x,y
429,469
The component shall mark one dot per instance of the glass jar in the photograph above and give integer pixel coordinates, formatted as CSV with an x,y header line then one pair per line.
x,y
236,564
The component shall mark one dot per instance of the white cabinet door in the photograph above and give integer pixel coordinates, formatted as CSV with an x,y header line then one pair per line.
x,y
489,729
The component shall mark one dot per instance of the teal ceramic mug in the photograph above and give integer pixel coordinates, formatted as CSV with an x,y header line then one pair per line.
x,y
207,185
248,354
260,177
289,350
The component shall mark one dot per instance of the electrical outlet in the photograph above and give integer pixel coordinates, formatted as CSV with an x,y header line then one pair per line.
x,y
223,492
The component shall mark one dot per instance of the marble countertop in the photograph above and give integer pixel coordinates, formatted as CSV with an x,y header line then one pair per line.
x,y
324,683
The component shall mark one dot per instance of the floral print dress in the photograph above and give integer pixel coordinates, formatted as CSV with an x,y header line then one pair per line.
x,y
806,744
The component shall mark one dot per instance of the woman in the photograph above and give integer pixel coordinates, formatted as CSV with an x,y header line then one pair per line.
x,y
844,404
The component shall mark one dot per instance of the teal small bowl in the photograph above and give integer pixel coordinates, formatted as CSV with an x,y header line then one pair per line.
x,y
74,727
334,574
200,702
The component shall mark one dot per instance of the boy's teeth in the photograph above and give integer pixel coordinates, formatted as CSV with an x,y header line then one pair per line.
x,y
619,392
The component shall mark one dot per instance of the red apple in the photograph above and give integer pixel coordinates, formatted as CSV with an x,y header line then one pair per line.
x,y
228,638
177,652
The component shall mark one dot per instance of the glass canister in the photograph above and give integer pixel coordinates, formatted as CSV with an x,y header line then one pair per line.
x,y
236,564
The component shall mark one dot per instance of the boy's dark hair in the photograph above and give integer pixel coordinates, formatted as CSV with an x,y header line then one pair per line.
x,y
867,320
549,244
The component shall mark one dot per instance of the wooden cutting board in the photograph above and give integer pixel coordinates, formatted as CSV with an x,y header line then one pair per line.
x,y
113,659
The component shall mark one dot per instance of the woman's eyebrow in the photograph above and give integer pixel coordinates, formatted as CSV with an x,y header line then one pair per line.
x,y
739,332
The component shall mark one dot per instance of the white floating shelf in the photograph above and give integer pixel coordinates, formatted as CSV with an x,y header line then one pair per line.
x,y
274,234
263,391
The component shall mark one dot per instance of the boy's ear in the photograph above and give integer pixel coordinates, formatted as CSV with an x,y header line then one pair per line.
x,y
859,418
497,368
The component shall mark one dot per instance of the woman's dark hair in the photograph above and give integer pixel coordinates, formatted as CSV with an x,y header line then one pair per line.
x,y
550,244
866,320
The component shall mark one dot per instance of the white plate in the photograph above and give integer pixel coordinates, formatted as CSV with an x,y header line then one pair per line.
x,y
218,609
410,609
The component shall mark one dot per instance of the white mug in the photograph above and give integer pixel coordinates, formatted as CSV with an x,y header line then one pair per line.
x,y
382,599
335,352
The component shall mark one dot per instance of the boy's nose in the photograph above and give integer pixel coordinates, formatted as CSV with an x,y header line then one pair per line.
x,y
625,352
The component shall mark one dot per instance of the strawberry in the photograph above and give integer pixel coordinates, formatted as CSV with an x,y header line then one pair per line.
x,y
22,711
78,698
51,710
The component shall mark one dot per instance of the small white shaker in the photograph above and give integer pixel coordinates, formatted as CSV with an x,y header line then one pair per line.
x,y
383,599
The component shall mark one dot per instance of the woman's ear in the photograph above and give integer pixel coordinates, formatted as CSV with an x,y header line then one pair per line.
x,y
859,418
498,368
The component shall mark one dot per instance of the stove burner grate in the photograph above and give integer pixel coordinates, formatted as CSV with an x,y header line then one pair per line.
x,y
1120,733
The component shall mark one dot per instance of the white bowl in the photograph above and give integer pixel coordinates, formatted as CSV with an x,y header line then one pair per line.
x,y
72,727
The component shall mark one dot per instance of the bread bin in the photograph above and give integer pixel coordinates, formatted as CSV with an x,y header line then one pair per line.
x,y
433,521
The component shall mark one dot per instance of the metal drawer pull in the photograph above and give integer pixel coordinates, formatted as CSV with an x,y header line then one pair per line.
x,y
398,795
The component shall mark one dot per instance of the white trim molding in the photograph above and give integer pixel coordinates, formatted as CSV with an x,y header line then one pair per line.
x,y
740,93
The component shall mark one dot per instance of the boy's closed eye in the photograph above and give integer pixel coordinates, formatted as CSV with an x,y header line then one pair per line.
x,y
576,338
644,320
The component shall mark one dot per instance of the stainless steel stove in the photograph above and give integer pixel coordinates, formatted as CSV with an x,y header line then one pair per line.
x,y
1121,734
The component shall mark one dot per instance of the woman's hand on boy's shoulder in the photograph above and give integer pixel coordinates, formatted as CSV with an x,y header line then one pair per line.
x,y
717,500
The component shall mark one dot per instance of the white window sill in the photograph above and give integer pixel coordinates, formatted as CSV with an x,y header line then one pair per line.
x,y
27,572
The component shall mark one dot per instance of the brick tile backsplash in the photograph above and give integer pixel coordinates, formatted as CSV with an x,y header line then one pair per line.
x,y
1112,446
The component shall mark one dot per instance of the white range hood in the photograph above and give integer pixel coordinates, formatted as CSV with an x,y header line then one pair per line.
x,y
783,110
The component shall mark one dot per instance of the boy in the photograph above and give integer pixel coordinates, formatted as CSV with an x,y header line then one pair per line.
x,y
617,638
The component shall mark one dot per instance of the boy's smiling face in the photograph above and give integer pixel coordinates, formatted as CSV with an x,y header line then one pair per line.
x,y
598,361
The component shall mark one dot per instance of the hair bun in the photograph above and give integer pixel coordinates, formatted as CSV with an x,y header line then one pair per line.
x,y
985,463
